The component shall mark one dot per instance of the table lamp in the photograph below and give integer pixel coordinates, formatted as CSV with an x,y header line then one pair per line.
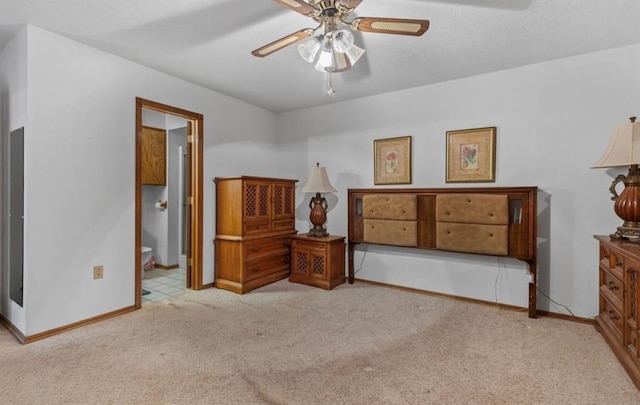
x,y
624,150
318,183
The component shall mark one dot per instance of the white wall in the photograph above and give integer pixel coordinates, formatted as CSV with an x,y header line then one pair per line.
x,y
80,163
553,122
13,113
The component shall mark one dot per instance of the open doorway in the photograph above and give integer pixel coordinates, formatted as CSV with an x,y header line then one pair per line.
x,y
191,216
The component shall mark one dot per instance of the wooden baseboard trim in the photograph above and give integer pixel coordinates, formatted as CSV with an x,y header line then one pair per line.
x,y
42,335
12,328
588,321
210,285
482,302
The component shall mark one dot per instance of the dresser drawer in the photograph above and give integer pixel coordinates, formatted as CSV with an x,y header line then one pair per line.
x,y
251,228
604,256
612,317
265,247
283,224
309,245
612,288
266,265
616,264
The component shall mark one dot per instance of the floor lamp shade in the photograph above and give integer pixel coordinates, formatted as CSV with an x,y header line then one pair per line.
x,y
624,150
318,184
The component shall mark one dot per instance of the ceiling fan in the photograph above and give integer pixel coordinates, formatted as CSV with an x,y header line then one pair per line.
x,y
333,49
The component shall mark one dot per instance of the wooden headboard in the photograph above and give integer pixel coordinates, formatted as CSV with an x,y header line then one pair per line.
x,y
496,221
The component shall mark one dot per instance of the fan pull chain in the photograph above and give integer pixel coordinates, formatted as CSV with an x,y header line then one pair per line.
x,y
330,90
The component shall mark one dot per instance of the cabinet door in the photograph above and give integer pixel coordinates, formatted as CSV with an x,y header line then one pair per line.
x,y
632,308
283,200
257,196
309,264
154,156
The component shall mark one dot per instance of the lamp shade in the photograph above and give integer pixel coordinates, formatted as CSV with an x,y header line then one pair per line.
x,y
309,50
624,147
318,181
342,41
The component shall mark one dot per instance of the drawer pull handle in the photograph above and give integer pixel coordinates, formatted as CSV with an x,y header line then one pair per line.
x,y
612,286
612,316
255,269
319,246
255,249
286,259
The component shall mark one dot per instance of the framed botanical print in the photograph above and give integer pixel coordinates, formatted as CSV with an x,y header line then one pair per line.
x,y
392,160
471,155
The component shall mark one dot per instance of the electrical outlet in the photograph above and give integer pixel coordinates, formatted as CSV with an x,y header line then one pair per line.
x,y
98,272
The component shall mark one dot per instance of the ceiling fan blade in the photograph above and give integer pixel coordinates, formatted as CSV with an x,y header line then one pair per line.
x,y
298,6
399,26
350,3
282,43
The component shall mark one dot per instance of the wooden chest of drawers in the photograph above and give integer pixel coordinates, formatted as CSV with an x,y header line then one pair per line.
x,y
620,301
255,218
318,261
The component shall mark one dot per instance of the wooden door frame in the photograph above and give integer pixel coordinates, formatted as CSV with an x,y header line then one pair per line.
x,y
194,279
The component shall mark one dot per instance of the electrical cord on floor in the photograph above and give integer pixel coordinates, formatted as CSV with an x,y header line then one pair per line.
x,y
557,303
364,253
501,266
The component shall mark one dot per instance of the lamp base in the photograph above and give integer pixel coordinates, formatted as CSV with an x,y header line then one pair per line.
x,y
625,232
627,204
318,231
318,216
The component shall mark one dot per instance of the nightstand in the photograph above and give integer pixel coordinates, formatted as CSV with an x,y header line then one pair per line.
x,y
317,261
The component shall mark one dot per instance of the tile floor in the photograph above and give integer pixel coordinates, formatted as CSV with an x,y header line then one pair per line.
x,y
162,283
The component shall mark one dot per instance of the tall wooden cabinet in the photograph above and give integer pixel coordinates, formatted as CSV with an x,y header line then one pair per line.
x,y
154,156
619,317
255,219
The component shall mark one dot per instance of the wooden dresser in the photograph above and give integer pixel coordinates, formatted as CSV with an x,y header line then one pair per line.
x,y
620,301
255,219
317,261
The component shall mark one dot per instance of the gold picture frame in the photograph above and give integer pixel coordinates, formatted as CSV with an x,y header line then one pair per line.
x,y
471,155
392,160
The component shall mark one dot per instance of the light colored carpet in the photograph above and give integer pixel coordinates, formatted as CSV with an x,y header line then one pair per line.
x,y
289,343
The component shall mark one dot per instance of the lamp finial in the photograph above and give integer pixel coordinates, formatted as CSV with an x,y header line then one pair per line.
x,y
633,119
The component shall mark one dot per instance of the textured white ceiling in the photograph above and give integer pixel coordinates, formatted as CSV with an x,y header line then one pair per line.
x,y
208,42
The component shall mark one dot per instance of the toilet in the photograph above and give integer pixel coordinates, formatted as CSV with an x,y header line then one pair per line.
x,y
148,260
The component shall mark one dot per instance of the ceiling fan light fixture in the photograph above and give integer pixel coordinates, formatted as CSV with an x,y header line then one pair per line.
x,y
341,62
335,50
325,61
308,50
342,40
354,53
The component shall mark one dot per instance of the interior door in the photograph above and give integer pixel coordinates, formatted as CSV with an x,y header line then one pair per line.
x,y
16,215
188,215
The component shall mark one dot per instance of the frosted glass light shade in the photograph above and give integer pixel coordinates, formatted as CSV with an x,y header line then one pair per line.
x,y
354,53
623,148
342,41
308,50
325,61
